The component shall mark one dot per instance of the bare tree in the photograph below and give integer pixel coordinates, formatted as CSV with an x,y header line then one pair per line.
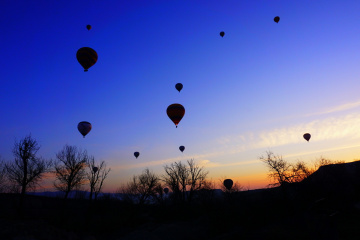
x,y
177,177
70,167
27,169
141,188
323,162
197,177
280,170
96,176
180,178
3,177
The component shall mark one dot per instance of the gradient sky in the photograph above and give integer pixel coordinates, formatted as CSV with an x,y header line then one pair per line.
x,y
260,87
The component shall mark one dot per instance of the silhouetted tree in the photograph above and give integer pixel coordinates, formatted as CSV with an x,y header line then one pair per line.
x,y
323,162
180,178
279,168
70,167
3,178
96,176
27,169
142,187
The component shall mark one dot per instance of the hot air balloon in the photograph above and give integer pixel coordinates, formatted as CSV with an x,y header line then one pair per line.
x,y
84,128
228,183
178,86
276,19
222,34
307,136
87,57
175,112
88,27
136,154
166,190
182,148
95,169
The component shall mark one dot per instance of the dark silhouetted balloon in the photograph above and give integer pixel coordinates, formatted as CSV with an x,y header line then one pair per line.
x,y
88,27
136,154
276,19
182,148
95,169
175,112
228,183
166,190
87,57
307,136
178,86
84,128
222,34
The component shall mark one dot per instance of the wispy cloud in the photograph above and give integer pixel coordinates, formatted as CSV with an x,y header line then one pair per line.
x,y
330,128
343,107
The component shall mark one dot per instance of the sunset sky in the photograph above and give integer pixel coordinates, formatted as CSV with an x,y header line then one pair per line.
x,y
259,88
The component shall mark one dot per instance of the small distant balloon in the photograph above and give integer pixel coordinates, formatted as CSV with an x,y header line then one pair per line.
x,y
95,169
87,57
228,183
88,27
136,154
182,148
307,136
222,34
175,112
166,190
276,19
84,128
178,86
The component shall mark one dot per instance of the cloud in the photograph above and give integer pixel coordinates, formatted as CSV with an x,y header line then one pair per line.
x,y
343,107
330,128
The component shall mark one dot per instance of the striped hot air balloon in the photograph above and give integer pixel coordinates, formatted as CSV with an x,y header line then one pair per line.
x,y
87,57
175,112
84,128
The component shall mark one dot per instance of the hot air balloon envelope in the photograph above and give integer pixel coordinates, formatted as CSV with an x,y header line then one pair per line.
x,y
136,154
95,169
307,136
178,86
182,148
87,57
228,183
175,112
88,27
222,34
84,128
276,19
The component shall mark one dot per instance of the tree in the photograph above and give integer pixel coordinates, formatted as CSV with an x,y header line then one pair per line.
x,y
96,176
3,177
279,168
141,188
27,169
70,167
181,178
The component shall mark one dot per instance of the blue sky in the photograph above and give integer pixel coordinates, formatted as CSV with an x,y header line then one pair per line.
x,y
260,87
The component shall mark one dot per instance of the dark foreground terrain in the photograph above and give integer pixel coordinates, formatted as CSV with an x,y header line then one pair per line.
x,y
324,206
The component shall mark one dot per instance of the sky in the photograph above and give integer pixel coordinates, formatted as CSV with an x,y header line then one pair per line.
x,y
257,89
